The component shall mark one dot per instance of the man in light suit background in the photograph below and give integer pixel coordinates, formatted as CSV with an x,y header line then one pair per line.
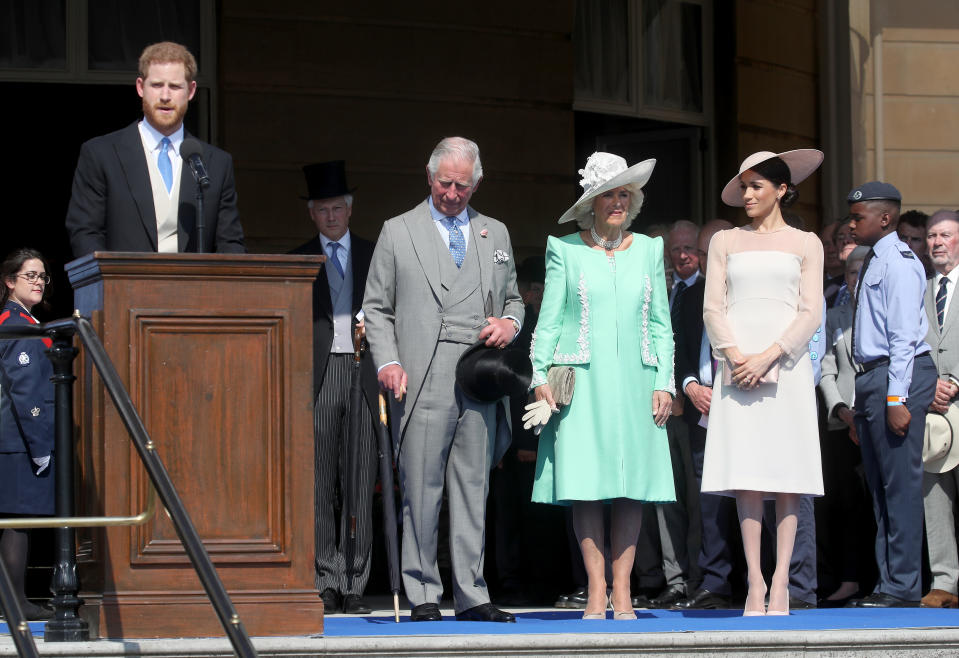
x,y
443,277
337,298
939,490
130,192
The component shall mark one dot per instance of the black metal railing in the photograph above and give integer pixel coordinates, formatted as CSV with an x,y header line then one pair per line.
x,y
67,624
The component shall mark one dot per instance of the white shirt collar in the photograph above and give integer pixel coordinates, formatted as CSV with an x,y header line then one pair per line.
x,y
152,137
462,219
690,281
344,242
953,277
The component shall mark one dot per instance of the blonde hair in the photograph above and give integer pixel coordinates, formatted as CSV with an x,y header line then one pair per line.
x,y
167,52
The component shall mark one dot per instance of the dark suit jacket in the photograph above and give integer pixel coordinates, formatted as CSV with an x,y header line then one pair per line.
x,y
689,336
111,206
361,253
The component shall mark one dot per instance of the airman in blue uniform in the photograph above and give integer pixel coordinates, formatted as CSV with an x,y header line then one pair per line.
x,y
894,388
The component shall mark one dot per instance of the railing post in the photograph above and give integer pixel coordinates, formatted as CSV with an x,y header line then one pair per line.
x,y
66,625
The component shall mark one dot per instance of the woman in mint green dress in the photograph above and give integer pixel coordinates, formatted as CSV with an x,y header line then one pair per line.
x,y
605,313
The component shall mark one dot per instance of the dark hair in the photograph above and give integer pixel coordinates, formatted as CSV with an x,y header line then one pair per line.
x,y
11,266
777,172
915,218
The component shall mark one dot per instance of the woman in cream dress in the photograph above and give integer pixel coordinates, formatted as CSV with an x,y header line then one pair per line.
x,y
763,302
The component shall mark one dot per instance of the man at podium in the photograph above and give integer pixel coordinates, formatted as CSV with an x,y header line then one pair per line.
x,y
130,191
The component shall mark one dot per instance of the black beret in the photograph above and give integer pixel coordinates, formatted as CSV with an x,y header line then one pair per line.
x,y
874,191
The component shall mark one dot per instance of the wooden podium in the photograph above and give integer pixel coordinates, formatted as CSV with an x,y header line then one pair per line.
x,y
216,351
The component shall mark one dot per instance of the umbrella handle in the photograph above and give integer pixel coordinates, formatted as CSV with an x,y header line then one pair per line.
x,y
382,409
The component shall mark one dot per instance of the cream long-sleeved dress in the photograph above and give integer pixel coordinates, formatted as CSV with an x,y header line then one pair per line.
x,y
764,288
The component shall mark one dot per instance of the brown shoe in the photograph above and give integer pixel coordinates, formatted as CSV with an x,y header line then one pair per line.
x,y
937,598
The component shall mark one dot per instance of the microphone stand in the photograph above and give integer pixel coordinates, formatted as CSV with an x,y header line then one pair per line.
x,y
200,223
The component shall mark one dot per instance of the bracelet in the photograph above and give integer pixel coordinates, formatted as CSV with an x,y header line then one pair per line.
x,y
894,404
897,399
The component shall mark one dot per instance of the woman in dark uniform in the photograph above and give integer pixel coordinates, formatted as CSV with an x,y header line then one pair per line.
x,y
26,416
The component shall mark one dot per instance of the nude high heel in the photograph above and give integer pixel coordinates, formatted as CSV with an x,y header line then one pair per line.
x,y
597,615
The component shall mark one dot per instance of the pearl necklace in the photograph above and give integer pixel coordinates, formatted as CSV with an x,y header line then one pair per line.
x,y
608,245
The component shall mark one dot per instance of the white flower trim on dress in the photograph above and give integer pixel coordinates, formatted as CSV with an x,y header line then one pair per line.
x,y
648,359
582,356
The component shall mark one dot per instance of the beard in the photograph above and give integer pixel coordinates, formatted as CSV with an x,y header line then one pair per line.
x,y
165,122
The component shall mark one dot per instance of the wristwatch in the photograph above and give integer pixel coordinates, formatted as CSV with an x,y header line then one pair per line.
x,y
516,326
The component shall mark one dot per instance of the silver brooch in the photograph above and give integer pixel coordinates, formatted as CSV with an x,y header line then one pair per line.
x,y
35,412
500,256
24,359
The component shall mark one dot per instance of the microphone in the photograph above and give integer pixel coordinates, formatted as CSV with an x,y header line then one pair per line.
x,y
191,151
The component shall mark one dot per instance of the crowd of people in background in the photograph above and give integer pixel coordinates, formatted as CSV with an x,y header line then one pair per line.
x,y
705,409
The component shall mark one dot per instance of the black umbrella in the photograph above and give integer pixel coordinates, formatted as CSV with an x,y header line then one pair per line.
x,y
354,420
385,453
385,448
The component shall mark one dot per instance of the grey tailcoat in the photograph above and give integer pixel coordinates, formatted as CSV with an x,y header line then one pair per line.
x,y
944,342
402,301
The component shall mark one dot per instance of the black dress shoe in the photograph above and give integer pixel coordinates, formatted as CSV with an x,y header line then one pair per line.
x,y
703,600
799,604
485,612
882,600
354,605
640,602
668,597
426,612
332,601
575,600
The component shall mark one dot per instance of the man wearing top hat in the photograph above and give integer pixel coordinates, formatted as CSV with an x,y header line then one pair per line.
x,y
941,477
441,279
895,385
337,298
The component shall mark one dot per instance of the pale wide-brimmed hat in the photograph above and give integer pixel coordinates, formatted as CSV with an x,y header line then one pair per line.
x,y
940,445
801,163
606,171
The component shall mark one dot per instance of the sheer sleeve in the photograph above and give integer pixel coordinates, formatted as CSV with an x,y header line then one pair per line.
x,y
714,300
795,340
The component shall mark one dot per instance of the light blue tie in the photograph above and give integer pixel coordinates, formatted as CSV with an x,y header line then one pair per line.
x,y
164,164
333,247
457,241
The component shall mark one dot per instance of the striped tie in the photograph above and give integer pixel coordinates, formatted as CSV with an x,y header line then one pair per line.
x,y
941,301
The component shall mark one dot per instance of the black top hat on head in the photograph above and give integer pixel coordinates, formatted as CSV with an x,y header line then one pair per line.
x,y
325,180
486,374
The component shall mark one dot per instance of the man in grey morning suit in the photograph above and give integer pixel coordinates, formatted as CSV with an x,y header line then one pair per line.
x,y
939,489
443,277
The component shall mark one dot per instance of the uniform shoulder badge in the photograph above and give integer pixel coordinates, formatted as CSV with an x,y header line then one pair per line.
x,y
24,359
907,254
35,412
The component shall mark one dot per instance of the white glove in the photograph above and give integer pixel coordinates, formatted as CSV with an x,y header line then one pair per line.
x,y
42,463
537,415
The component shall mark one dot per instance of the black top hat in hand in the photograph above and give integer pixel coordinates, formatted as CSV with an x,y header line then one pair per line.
x,y
325,180
486,374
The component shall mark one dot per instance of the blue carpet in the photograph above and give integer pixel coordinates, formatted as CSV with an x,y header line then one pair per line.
x,y
652,621
36,628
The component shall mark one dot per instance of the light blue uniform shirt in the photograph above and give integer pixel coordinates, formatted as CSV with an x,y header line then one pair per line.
x,y
890,320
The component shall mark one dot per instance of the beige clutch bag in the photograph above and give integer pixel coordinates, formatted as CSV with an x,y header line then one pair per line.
x,y
771,376
561,380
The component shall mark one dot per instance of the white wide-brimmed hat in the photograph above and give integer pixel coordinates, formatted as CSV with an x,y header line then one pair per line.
x,y
801,163
606,171
940,445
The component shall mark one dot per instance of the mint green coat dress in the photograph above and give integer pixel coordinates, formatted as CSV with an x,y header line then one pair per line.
x,y
612,325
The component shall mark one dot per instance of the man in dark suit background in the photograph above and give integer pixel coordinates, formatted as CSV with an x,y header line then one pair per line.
x,y
337,297
130,192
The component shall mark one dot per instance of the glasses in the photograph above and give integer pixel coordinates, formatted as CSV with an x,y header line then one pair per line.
x,y
33,277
